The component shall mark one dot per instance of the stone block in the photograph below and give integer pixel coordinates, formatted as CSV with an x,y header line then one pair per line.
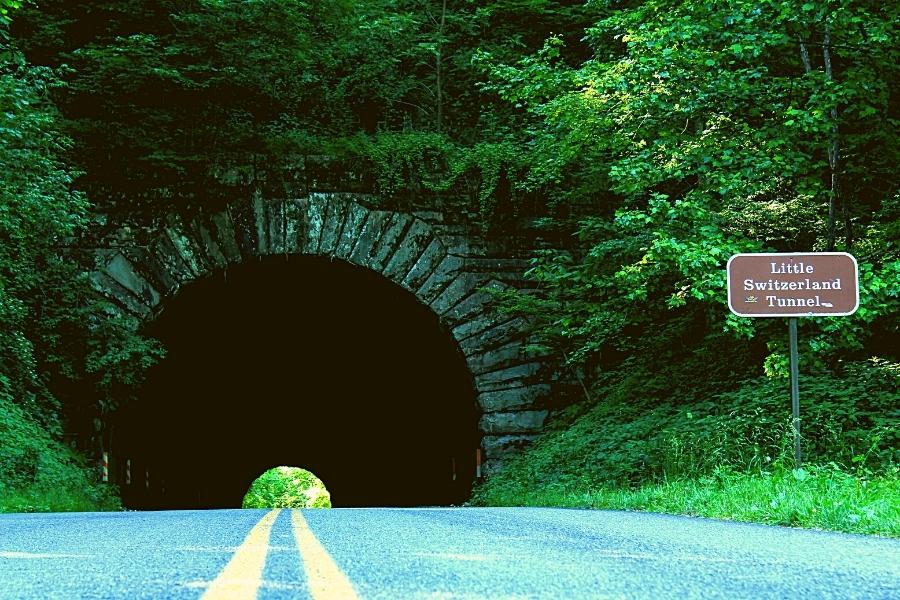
x,y
260,223
461,286
508,377
356,218
525,421
424,266
111,289
246,230
164,253
388,243
152,269
489,468
334,223
523,397
275,228
369,235
473,305
495,336
408,251
121,270
188,249
317,208
209,247
225,235
498,447
498,358
295,225
479,324
444,274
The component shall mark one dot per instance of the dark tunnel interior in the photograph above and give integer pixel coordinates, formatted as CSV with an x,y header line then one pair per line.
x,y
300,361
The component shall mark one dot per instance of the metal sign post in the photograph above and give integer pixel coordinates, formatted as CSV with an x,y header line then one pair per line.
x,y
792,285
795,387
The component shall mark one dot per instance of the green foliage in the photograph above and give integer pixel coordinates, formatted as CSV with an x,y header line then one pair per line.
x,y
37,211
38,473
432,163
660,137
644,430
729,456
61,353
695,132
161,96
47,307
287,487
826,497
6,7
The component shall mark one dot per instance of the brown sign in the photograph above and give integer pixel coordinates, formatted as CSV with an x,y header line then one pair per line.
x,y
792,285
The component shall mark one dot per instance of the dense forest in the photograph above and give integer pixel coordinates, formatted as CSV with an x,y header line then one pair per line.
x,y
654,138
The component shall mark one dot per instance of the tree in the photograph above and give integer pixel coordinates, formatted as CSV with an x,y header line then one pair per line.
x,y
160,95
698,130
60,352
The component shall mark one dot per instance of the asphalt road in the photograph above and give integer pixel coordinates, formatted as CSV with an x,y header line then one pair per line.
x,y
431,553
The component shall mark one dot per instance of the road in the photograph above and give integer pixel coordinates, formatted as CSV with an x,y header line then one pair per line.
x,y
465,553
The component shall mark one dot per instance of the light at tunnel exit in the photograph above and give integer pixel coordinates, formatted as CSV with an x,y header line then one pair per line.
x,y
306,361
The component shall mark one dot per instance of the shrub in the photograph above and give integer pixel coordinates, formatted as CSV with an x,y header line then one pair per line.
x,y
39,474
629,440
287,487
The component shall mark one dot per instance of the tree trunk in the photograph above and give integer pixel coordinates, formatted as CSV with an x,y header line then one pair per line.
x,y
804,56
440,59
834,154
834,148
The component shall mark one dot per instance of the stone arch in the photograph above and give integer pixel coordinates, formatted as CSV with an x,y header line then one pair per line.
x,y
415,251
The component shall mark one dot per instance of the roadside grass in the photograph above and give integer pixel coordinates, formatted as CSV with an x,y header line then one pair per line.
x,y
728,455
39,474
59,499
823,497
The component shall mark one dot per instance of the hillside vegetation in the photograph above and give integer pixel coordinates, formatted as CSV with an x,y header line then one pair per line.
x,y
727,455
38,473
713,129
64,362
645,142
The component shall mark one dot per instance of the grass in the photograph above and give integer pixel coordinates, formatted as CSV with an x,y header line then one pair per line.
x,y
38,473
59,499
816,497
727,456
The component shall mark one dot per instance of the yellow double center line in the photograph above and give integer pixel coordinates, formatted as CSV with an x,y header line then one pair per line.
x,y
242,576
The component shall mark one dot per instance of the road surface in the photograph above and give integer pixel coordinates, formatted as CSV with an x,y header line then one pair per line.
x,y
466,553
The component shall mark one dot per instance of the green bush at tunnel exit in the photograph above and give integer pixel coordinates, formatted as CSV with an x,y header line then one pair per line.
x,y
287,487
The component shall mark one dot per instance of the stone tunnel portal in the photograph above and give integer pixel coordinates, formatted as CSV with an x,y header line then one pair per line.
x,y
303,361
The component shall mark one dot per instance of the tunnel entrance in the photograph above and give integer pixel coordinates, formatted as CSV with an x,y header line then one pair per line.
x,y
303,361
